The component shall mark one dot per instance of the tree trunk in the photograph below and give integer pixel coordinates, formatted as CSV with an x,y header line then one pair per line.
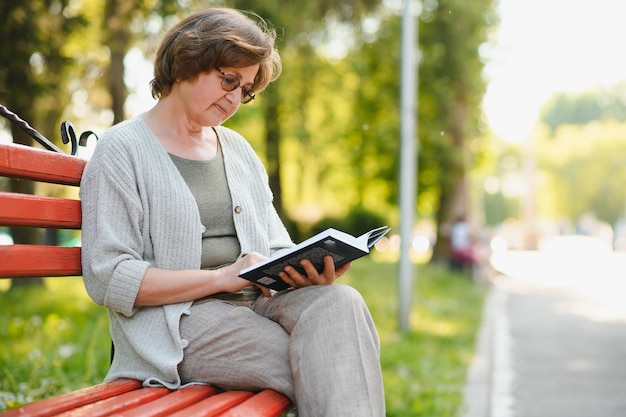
x,y
117,88
273,146
454,199
118,19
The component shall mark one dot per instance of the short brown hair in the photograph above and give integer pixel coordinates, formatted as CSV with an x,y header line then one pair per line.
x,y
212,38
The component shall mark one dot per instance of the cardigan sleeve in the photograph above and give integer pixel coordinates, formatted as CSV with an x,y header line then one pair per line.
x,y
112,245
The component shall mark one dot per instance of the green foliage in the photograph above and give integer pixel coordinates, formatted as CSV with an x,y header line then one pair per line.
x,y
356,222
450,85
56,339
373,131
583,169
339,117
585,107
497,183
301,23
302,26
35,59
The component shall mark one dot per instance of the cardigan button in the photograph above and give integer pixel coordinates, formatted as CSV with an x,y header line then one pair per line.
x,y
238,209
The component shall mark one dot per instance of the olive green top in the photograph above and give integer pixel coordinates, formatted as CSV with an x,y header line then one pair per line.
x,y
220,247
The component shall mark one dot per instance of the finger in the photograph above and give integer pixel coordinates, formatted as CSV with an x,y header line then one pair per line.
x,y
287,279
326,277
343,269
309,269
329,266
330,273
266,291
292,277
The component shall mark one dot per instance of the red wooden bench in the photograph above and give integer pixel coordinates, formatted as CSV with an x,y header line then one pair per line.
x,y
122,397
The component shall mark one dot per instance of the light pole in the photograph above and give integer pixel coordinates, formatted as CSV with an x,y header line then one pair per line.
x,y
408,160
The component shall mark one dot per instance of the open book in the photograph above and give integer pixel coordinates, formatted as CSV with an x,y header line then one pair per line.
x,y
342,246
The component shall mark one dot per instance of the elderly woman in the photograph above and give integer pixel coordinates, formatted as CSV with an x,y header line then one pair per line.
x,y
175,206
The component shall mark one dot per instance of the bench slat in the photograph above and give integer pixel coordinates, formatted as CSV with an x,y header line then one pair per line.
x,y
214,405
127,398
19,161
172,402
21,261
118,403
267,403
34,211
55,405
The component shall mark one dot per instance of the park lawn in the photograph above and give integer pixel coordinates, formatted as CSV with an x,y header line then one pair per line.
x,y
56,340
424,369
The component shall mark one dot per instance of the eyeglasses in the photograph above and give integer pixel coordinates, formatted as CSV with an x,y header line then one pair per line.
x,y
230,83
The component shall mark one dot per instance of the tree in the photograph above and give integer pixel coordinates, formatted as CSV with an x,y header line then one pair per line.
x,y
373,132
363,105
585,107
34,71
35,60
124,26
583,170
451,89
300,23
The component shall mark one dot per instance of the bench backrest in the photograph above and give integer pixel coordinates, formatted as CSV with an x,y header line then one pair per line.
x,y
23,162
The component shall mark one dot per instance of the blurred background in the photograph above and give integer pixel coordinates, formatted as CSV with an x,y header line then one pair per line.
x,y
521,134
520,114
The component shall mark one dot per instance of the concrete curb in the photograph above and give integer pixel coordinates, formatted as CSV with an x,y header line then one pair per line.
x,y
477,391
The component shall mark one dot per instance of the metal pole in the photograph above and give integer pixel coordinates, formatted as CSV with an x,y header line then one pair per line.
x,y
408,160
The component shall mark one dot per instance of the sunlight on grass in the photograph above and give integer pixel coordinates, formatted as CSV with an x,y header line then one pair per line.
x,y
424,370
429,324
58,338
58,341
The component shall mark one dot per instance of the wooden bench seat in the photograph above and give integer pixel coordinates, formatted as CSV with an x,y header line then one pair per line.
x,y
123,397
126,397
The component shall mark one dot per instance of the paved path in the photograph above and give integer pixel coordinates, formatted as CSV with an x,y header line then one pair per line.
x,y
553,340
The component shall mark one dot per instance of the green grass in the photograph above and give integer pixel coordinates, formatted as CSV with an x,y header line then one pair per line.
x,y
424,369
55,339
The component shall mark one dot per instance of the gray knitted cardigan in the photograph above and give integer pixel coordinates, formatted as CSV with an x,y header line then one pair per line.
x,y
138,212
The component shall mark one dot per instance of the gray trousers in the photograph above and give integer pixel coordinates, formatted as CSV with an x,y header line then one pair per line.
x,y
317,345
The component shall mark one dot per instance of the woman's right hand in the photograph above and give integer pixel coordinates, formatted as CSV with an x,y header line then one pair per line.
x,y
162,286
233,282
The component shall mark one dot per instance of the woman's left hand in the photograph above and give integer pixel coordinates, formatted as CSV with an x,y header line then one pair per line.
x,y
311,277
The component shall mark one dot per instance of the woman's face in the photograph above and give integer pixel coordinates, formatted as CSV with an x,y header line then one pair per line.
x,y
204,99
